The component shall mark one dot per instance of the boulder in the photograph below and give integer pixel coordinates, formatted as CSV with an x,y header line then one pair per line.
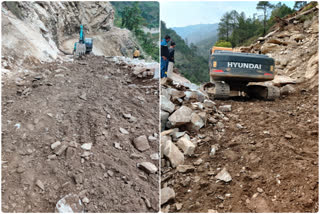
x,y
148,167
164,118
173,153
196,122
166,104
287,89
225,108
167,194
186,145
181,116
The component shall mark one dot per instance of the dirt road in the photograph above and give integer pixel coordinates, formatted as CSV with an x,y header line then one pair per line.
x,y
82,105
270,150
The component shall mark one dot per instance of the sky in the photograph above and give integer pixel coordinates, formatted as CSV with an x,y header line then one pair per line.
x,y
184,13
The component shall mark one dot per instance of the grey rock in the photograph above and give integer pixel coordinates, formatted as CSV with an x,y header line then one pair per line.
x,y
86,146
167,194
172,152
181,116
196,121
148,167
141,143
164,118
40,184
186,145
166,104
185,168
71,203
224,175
225,108
123,131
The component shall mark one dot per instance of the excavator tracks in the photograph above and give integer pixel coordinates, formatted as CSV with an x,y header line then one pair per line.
x,y
263,92
217,90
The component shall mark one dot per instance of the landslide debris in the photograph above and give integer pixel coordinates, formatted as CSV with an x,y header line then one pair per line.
x,y
68,133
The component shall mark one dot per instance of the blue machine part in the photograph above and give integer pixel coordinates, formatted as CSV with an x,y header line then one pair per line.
x,y
89,44
81,40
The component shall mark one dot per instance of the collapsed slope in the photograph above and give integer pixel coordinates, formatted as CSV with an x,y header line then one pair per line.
x,y
70,128
33,32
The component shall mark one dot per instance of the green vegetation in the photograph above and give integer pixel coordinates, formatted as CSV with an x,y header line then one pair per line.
x,y
190,65
129,15
222,43
237,29
149,12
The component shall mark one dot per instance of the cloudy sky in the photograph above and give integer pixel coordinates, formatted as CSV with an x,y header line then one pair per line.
x,y
183,13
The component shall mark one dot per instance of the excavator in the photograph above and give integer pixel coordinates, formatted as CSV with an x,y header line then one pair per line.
x,y
84,46
238,74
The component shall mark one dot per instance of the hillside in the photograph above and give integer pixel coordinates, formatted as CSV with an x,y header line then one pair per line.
x,y
192,66
197,33
204,46
150,11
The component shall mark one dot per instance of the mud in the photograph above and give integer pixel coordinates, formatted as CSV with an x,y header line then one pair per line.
x,y
75,103
273,159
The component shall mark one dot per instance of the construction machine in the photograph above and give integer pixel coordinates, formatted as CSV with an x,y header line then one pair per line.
x,y
238,74
84,46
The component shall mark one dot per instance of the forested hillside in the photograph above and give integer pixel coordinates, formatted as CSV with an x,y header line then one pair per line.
x,y
149,11
191,65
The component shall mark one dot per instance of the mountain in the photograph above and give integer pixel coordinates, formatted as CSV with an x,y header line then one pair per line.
x,y
197,33
190,64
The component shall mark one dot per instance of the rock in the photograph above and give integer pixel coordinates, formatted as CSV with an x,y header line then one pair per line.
x,y
212,211
86,146
213,150
185,168
287,89
220,125
70,204
288,136
181,116
166,104
141,143
85,200
55,145
164,118
177,135
282,80
147,202
260,190
155,156
268,47
209,104
117,145
40,184
195,94
123,131
239,126
152,138
110,173
148,167
59,150
198,162
196,121
186,145
82,96
167,194
224,175
197,105
127,116
225,108
178,206
172,152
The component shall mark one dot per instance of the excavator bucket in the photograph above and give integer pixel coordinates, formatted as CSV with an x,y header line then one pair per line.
x,y
80,49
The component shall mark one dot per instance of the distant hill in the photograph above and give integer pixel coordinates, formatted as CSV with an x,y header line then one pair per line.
x,y
190,64
197,33
205,45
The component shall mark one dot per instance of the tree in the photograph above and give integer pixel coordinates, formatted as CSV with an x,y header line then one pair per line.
x,y
225,26
131,18
279,11
299,4
264,6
